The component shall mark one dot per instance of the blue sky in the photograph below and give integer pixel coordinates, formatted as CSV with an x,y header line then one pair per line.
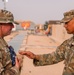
x,y
38,11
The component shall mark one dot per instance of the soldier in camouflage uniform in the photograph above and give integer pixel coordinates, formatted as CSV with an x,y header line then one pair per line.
x,y
64,52
6,25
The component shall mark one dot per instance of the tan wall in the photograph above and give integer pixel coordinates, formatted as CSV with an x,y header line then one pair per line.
x,y
59,33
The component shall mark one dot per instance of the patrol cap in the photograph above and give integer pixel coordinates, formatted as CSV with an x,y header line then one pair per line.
x,y
6,17
68,16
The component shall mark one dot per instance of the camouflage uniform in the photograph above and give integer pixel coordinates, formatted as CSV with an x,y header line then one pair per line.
x,y
6,67
64,52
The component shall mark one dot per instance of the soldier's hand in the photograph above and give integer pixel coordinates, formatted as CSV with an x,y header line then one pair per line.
x,y
28,54
17,63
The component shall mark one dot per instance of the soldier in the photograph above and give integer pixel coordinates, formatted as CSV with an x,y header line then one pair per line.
x,y
63,52
9,65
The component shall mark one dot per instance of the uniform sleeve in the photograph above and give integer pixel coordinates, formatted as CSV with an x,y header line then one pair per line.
x,y
52,58
9,70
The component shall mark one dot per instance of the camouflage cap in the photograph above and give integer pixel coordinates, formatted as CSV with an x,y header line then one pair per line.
x,y
6,17
68,16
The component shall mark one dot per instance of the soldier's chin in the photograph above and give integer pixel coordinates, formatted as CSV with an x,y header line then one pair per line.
x,y
69,32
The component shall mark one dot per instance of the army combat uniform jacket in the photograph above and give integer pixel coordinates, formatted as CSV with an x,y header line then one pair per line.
x,y
6,67
64,52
